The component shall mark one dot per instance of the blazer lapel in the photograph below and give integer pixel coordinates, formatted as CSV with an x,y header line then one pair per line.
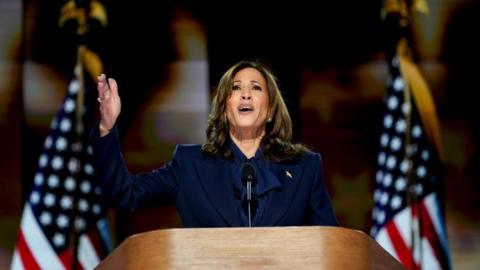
x,y
279,201
216,181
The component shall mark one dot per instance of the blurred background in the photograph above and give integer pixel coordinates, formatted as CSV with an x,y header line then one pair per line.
x,y
167,56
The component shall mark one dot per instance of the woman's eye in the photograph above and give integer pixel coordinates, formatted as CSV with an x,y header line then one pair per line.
x,y
236,87
256,87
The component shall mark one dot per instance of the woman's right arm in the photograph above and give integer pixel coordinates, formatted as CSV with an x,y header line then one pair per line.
x,y
127,191
122,189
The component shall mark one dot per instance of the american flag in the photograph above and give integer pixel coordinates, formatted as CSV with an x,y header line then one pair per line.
x,y
63,224
408,202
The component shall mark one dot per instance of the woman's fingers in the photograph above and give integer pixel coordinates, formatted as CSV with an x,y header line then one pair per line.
x,y
102,86
106,89
113,87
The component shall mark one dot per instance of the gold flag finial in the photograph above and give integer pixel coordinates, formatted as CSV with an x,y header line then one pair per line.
x,y
404,7
71,11
421,6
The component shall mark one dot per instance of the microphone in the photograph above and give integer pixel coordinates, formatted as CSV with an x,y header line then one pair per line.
x,y
249,179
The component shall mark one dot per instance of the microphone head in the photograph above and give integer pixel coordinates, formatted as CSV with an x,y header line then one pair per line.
x,y
248,174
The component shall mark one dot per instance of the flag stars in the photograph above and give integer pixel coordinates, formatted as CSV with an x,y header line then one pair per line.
x,y
384,139
85,186
53,181
379,176
396,144
387,180
418,189
69,183
374,213
66,202
62,221
377,194
392,103
398,84
425,155
381,216
404,166
43,161
96,209
65,125
61,144
400,184
69,105
38,180
416,131
57,163
46,218
396,202
58,239
400,126
35,197
391,162
48,142
381,158
74,165
49,200
88,169
90,150
54,123
73,87
384,198
388,121
83,205
421,171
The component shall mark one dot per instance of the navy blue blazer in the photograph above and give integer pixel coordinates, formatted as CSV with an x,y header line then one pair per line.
x,y
201,188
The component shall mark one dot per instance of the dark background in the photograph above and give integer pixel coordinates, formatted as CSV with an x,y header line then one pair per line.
x,y
330,61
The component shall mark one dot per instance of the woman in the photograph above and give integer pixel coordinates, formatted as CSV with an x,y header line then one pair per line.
x,y
248,123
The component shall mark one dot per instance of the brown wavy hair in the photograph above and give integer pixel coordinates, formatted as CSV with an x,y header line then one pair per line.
x,y
277,145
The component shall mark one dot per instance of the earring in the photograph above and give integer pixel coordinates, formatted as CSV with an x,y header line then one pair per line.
x,y
269,120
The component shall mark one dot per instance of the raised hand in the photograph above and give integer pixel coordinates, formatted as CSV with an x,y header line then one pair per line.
x,y
110,104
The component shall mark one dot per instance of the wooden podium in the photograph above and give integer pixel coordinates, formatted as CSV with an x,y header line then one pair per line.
x,y
250,248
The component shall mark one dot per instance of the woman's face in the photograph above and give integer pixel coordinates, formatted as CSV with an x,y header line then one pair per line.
x,y
247,106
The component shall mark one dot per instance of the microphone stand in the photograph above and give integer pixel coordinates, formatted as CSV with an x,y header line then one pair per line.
x,y
249,199
249,179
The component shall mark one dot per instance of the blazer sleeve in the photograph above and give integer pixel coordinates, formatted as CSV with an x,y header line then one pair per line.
x,y
127,191
320,208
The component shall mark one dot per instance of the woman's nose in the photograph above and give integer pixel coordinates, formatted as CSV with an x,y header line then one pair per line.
x,y
246,94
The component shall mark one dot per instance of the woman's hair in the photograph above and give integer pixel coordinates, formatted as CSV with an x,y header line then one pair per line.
x,y
276,143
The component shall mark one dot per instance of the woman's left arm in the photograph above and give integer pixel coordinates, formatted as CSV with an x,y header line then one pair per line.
x,y
320,207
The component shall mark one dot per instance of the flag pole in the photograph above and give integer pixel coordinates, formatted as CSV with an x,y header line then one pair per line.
x,y
402,53
79,74
406,217
86,60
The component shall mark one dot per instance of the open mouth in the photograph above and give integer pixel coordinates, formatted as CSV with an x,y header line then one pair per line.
x,y
245,108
